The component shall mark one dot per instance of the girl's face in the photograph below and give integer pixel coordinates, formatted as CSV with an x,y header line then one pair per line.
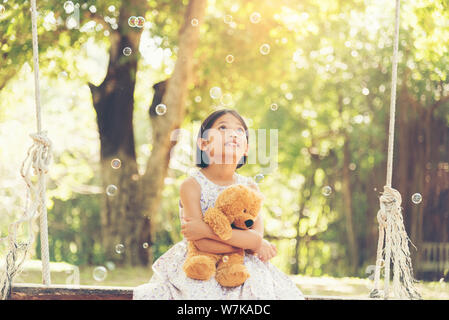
x,y
225,142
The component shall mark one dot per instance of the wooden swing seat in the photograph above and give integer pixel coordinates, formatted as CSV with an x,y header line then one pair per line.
x,y
29,291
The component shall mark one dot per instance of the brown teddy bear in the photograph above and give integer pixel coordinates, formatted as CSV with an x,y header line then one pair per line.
x,y
236,206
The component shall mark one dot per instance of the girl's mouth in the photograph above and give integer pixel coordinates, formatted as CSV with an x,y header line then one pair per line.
x,y
232,144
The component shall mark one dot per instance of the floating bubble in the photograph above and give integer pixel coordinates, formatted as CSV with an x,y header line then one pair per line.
x,y
69,7
264,49
255,17
110,265
274,107
132,21
161,109
100,273
2,9
365,91
198,99
226,99
116,163
120,248
215,93
416,198
326,191
92,9
259,177
352,166
111,190
227,19
140,22
229,58
145,245
225,259
194,22
127,51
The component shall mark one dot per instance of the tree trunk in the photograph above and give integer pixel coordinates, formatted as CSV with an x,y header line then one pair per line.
x,y
173,97
114,104
422,140
348,211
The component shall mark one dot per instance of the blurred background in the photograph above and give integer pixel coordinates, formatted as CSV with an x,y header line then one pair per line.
x,y
316,72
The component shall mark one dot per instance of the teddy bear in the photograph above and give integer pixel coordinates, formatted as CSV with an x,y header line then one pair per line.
x,y
236,206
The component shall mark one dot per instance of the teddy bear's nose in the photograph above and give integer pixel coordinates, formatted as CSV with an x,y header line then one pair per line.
x,y
249,223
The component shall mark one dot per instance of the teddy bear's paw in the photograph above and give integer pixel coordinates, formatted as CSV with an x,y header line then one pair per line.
x,y
199,267
233,276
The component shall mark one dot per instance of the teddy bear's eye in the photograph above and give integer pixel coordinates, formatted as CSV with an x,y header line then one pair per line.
x,y
244,210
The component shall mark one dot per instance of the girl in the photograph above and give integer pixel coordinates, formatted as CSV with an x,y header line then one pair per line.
x,y
222,147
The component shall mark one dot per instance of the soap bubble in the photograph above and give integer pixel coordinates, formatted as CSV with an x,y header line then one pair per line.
x,y
229,58
226,99
2,9
140,22
127,51
365,91
259,177
120,248
161,109
198,99
110,265
274,106
111,190
100,273
116,163
326,191
416,198
255,17
145,245
132,21
225,259
215,93
264,49
227,19
194,22
69,7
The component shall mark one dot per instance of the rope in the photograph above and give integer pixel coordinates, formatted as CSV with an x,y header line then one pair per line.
x,y
37,162
391,225
43,218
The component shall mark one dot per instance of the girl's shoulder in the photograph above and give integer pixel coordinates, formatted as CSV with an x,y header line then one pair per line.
x,y
190,185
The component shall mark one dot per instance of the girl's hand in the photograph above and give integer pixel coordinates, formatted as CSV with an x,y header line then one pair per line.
x,y
194,229
266,251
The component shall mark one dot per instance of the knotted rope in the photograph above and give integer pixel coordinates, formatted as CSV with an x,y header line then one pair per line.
x,y
391,225
38,159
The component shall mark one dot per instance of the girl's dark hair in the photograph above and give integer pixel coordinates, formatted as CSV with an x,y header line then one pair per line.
x,y
202,160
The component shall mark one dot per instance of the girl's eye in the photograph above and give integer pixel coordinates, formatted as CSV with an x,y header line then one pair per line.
x,y
240,131
222,127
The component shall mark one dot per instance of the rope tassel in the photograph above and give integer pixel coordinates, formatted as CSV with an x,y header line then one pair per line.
x,y
38,159
396,251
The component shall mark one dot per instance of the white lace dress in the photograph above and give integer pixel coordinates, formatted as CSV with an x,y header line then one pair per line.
x,y
170,282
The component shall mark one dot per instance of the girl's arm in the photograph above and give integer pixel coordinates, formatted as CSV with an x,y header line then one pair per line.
x,y
190,194
246,239
195,229
212,246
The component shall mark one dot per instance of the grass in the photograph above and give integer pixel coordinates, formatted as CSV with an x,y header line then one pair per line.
x,y
63,273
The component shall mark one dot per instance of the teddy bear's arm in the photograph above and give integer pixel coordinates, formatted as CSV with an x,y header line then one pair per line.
x,y
219,223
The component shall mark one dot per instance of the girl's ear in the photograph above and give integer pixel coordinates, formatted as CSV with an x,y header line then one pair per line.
x,y
202,144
